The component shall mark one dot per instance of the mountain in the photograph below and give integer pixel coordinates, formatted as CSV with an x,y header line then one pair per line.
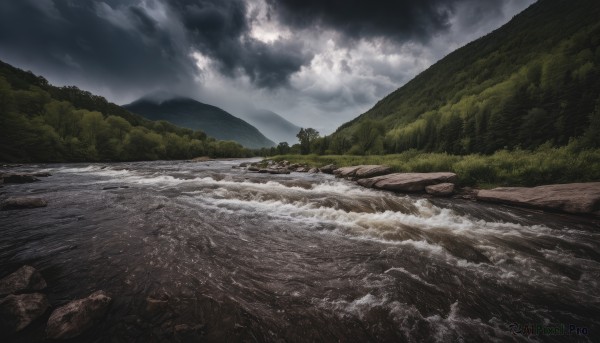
x,y
273,126
195,115
534,80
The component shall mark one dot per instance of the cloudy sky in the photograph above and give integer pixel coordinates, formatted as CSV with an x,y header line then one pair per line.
x,y
318,63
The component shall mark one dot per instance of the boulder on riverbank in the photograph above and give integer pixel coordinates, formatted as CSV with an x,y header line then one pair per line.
x,y
18,311
577,198
77,316
25,279
407,182
22,203
362,171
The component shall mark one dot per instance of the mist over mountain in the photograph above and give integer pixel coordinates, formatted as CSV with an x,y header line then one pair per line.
x,y
274,126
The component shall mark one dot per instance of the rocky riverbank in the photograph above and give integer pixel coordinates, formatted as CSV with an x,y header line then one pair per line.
x,y
574,198
24,303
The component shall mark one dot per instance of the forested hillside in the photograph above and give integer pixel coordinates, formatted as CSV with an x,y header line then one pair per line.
x,y
534,80
43,123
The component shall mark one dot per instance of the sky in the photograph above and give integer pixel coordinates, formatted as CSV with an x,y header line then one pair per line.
x,y
318,63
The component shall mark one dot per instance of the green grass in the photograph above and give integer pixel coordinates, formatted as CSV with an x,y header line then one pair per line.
x,y
545,165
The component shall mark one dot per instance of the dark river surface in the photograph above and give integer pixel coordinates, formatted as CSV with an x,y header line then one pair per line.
x,y
240,256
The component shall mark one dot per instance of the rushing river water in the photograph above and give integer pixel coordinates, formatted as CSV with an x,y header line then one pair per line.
x,y
240,256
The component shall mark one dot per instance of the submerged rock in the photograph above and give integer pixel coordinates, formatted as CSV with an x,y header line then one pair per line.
x,y
156,305
18,311
25,279
278,171
441,189
188,333
407,182
362,171
19,178
313,170
77,316
575,198
22,202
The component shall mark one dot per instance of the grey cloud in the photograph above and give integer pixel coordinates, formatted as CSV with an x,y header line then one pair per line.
x,y
220,30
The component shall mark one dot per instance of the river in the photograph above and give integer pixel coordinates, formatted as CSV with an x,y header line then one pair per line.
x,y
241,256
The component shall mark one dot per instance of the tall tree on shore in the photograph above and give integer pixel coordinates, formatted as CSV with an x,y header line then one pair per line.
x,y
306,136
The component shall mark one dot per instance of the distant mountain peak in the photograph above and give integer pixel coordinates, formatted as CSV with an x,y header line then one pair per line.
x,y
193,114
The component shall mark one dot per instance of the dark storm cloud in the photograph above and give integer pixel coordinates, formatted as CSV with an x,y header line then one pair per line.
x,y
397,20
77,41
119,44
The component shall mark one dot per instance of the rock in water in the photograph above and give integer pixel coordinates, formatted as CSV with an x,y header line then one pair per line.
x,y
328,169
77,316
440,190
22,202
407,182
156,305
18,311
278,171
572,197
19,178
362,171
25,279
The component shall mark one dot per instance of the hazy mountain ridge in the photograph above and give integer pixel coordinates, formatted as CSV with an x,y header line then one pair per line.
x,y
193,114
273,125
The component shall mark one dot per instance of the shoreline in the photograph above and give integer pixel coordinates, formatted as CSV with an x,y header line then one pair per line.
x,y
581,198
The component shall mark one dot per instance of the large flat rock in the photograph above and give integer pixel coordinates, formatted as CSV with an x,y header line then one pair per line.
x,y
571,197
362,171
407,182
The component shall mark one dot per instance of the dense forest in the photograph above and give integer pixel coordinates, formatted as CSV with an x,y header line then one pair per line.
x,y
43,123
534,81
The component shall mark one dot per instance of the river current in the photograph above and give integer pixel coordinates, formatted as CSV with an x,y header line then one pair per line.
x,y
240,256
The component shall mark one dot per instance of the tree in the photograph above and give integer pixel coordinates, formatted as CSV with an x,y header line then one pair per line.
x,y
306,137
283,148
368,135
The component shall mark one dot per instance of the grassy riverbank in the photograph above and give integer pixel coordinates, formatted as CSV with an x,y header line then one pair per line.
x,y
546,165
